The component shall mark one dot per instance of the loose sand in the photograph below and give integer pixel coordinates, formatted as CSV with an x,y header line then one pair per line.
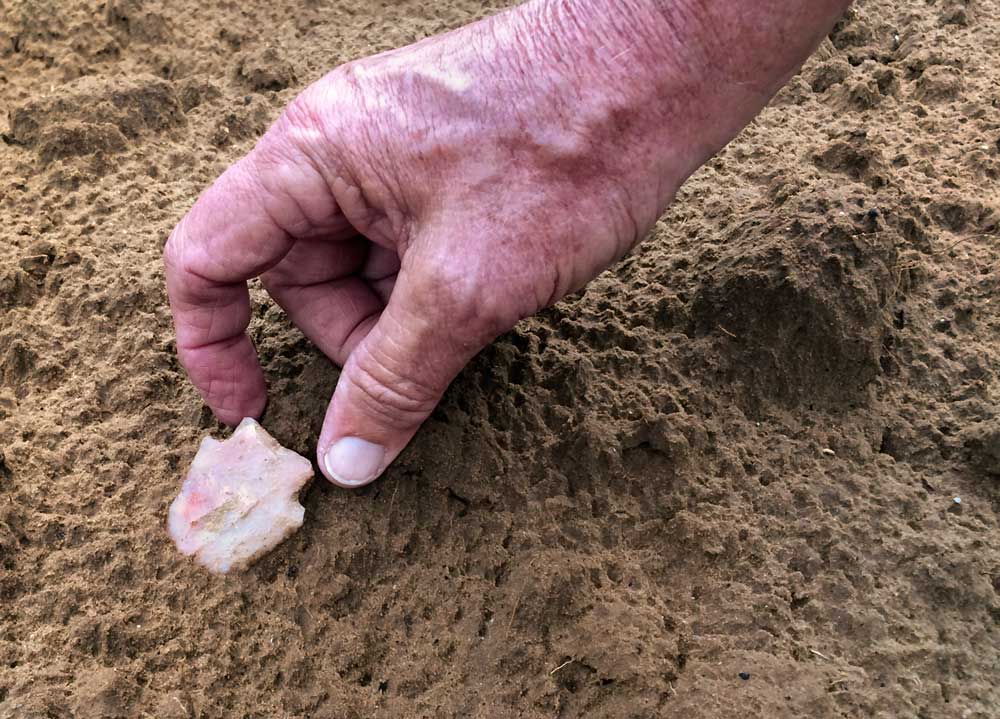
x,y
736,452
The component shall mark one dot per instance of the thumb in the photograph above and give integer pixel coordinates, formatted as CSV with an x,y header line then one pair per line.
x,y
395,377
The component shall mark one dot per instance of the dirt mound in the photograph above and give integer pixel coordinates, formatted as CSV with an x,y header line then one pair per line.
x,y
89,115
804,303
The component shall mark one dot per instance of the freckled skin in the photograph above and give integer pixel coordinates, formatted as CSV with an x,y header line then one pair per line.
x,y
409,207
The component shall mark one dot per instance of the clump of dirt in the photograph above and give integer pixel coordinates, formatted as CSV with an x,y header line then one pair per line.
x,y
720,482
116,111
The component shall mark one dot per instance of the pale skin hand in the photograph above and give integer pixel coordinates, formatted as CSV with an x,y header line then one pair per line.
x,y
408,208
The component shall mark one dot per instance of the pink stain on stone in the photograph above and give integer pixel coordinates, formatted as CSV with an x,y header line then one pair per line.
x,y
239,499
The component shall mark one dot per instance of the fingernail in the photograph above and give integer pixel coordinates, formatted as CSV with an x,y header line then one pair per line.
x,y
352,461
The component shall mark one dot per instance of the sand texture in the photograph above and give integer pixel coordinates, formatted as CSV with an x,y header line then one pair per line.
x,y
736,452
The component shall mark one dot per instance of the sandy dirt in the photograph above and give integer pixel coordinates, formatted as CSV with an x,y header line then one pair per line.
x,y
719,483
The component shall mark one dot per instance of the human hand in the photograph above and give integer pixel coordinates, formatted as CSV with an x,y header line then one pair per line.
x,y
408,208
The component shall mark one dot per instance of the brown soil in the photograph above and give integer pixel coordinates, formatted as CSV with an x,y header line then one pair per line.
x,y
738,451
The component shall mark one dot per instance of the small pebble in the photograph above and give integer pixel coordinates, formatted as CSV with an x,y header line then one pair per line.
x,y
744,676
958,500
828,452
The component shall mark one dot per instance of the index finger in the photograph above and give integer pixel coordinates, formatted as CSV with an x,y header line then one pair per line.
x,y
241,226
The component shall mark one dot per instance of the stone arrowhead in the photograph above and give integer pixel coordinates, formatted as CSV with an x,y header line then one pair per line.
x,y
239,499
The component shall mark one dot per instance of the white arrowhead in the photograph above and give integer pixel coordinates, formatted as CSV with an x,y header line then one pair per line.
x,y
239,499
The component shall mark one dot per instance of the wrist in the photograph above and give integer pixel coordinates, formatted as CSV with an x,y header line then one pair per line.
x,y
656,87
596,87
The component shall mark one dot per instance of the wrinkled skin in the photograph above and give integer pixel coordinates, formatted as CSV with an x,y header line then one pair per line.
x,y
408,208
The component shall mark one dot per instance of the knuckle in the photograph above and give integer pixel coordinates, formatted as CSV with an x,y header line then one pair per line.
x,y
321,107
301,131
448,288
173,249
393,399
170,252
303,113
469,298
